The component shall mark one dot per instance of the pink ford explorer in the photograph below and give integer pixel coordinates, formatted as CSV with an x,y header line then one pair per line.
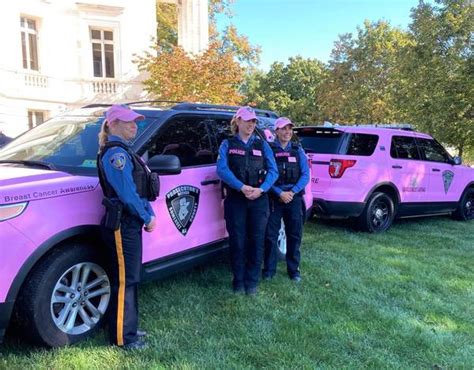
x,y
53,277
374,174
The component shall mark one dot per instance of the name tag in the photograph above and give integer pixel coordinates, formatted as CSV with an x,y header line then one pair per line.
x,y
256,152
292,159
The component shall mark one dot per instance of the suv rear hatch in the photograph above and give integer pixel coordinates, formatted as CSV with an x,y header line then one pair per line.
x,y
321,145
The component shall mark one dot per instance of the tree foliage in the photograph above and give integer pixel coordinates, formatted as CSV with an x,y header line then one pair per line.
x,y
213,76
437,74
361,83
289,89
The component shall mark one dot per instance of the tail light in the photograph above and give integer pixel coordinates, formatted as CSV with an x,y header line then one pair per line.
x,y
338,166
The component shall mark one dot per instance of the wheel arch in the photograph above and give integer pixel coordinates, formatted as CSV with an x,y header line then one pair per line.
x,y
88,233
385,187
468,186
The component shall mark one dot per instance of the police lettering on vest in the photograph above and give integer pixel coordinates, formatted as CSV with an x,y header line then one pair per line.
x,y
287,163
146,182
247,163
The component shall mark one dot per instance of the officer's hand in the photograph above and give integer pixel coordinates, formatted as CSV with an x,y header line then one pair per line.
x,y
151,225
247,190
286,196
256,193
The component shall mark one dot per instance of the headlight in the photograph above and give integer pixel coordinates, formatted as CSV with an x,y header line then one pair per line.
x,y
9,211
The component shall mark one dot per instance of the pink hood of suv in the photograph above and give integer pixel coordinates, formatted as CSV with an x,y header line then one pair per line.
x,y
18,184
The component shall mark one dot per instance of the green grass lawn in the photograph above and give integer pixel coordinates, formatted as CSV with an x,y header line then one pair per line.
x,y
402,299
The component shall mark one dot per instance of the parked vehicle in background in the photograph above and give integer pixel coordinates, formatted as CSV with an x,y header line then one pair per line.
x,y
53,275
375,174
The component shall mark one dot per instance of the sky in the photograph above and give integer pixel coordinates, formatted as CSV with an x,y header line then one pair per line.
x,y
285,28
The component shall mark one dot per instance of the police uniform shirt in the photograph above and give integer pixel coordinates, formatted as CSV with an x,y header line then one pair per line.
x,y
118,167
224,172
304,172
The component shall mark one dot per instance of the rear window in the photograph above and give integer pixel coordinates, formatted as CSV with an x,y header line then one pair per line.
x,y
320,140
362,144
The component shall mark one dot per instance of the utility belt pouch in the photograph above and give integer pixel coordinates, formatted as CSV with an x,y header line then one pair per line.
x,y
153,187
113,213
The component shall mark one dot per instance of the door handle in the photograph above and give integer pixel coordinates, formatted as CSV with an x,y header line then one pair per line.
x,y
210,182
435,169
396,166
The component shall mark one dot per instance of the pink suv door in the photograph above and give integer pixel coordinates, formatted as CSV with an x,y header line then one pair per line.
x,y
189,209
443,182
408,171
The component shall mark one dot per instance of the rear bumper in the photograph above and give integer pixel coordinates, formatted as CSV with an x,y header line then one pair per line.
x,y
330,209
6,309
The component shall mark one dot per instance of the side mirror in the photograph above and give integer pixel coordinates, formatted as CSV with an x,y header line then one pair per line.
x,y
457,161
164,164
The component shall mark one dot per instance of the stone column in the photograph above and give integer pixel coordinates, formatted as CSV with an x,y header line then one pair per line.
x,y
193,25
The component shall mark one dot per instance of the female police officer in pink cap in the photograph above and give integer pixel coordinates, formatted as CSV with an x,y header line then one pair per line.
x,y
286,201
247,169
126,185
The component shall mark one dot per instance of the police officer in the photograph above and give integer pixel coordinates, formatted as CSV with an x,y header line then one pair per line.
x,y
286,201
125,183
247,169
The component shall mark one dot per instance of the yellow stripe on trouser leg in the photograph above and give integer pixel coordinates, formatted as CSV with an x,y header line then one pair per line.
x,y
121,290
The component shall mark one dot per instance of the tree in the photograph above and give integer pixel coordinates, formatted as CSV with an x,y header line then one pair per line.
x,y
289,89
362,78
212,77
437,84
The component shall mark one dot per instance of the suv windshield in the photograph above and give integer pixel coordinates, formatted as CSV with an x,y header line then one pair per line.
x,y
66,143
320,140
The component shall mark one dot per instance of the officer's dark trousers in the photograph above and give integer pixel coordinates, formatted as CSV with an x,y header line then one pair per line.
x,y
246,221
292,214
124,248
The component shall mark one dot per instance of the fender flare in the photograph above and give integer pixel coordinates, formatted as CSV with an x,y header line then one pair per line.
x,y
380,184
42,250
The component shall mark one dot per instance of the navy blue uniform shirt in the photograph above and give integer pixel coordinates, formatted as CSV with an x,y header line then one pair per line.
x,y
118,167
304,172
224,172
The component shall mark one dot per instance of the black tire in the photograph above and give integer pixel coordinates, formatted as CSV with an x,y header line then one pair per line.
x,y
465,210
378,213
76,313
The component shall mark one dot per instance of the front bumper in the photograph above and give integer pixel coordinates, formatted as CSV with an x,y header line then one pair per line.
x,y
330,209
6,309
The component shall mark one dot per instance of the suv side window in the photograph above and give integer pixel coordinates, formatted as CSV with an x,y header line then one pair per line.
x,y
433,151
404,147
221,130
186,137
362,144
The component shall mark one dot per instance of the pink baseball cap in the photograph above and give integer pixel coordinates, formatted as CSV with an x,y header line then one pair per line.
x,y
246,113
282,122
123,113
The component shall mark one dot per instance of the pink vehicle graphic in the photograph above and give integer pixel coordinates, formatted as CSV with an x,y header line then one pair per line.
x,y
53,275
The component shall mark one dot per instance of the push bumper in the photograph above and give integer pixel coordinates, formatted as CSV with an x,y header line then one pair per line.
x,y
330,209
6,309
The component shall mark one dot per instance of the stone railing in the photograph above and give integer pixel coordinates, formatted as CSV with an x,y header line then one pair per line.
x,y
35,80
105,87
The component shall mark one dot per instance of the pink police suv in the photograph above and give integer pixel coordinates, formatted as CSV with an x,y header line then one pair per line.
x,y
374,174
52,274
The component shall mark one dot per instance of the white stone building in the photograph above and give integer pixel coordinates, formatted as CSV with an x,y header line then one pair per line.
x,y
61,54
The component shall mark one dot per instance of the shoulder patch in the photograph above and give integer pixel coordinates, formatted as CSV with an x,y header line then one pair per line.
x,y
118,160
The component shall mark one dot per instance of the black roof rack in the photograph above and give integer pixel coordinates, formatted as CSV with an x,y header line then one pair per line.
x,y
190,106
99,105
223,108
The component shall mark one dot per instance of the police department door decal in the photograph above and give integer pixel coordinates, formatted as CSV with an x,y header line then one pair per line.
x,y
182,203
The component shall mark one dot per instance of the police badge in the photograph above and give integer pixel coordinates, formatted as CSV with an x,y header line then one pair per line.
x,y
182,203
447,179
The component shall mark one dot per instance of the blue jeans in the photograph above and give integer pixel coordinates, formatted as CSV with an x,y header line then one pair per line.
x,y
246,221
292,214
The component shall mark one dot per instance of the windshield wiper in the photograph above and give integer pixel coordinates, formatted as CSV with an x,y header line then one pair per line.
x,y
47,165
